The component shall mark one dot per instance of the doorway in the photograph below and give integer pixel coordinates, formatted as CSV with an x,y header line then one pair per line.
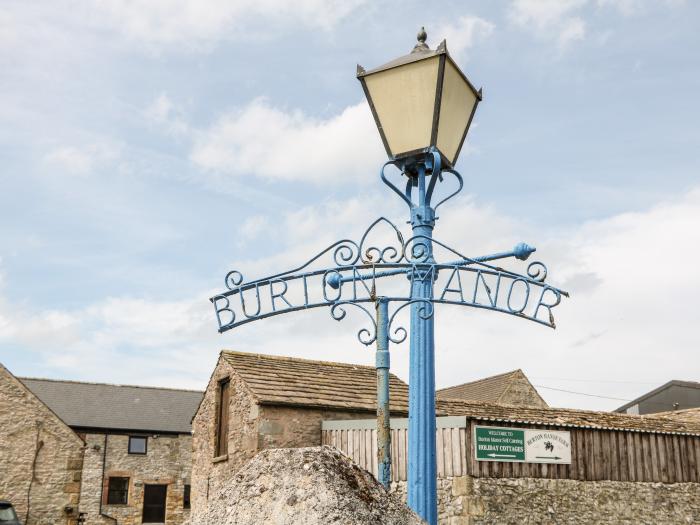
x,y
154,503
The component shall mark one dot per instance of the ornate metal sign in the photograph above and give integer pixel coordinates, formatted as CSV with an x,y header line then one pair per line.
x,y
355,267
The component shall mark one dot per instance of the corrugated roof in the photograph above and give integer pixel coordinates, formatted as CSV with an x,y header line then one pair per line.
x,y
566,417
292,381
488,390
117,407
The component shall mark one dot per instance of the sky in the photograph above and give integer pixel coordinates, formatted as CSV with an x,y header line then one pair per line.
x,y
150,146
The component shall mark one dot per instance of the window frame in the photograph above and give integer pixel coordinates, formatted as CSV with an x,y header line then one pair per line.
x,y
111,491
145,447
222,419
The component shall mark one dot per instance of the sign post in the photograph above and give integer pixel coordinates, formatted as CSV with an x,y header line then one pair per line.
x,y
407,102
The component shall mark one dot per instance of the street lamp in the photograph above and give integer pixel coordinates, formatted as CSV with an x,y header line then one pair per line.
x,y
423,105
421,101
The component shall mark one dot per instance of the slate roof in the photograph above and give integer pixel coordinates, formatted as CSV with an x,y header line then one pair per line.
x,y
275,380
566,417
117,407
488,390
673,382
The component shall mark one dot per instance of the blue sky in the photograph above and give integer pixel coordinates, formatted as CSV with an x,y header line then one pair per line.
x,y
150,146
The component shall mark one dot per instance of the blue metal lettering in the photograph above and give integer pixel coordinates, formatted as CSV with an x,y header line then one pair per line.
x,y
257,295
306,291
492,299
224,309
280,295
335,276
527,295
549,307
455,271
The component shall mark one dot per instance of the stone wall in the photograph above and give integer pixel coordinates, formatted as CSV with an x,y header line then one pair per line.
x,y
291,427
522,501
520,392
40,457
167,462
208,472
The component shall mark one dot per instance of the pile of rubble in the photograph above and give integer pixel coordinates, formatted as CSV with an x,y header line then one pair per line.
x,y
315,485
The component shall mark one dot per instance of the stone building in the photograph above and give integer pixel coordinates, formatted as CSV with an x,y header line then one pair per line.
x,y
137,460
254,402
511,388
113,453
41,457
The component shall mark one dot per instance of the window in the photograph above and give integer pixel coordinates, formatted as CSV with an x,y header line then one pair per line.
x,y
186,497
137,444
118,491
222,419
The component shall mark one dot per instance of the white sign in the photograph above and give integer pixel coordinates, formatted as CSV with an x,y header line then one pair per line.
x,y
547,446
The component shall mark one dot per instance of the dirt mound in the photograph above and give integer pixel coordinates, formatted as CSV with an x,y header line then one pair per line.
x,y
310,486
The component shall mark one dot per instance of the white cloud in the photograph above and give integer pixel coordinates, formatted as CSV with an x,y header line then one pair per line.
x,y
253,226
195,23
163,112
464,34
563,21
635,7
82,160
72,159
262,140
550,19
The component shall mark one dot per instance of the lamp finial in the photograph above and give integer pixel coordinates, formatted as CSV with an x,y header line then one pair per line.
x,y
421,46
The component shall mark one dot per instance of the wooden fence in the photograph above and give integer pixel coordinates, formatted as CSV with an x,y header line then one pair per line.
x,y
616,455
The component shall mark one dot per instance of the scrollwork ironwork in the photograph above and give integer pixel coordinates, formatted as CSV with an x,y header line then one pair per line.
x,y
386,254
537,271
364,335
398,335
233,279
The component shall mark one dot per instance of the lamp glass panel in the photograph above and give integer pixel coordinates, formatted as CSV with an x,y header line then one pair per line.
x,y
458,100
404,99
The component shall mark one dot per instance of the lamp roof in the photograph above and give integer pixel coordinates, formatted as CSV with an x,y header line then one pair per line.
x,y
421,51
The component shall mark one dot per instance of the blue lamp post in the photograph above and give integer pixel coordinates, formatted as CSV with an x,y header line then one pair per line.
x,y
423,106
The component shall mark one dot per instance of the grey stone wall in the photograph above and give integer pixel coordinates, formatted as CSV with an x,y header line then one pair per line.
x,y
292,427
520,392
208,472
167,462
523,501
40,457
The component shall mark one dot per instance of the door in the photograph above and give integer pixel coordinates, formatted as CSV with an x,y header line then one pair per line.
x,y
154,503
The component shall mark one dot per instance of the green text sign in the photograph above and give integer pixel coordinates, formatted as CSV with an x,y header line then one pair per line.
x,y
499,444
